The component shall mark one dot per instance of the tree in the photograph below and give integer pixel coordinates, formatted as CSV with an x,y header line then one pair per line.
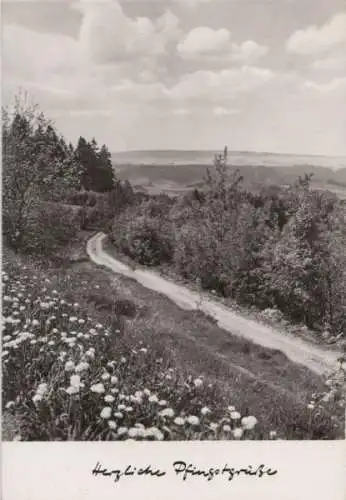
x,y
35,165
97,168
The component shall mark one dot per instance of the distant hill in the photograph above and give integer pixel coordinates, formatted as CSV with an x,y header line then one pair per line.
x,y
176,171
205,157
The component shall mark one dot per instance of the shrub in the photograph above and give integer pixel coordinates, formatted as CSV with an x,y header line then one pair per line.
x,y
144,239
50,227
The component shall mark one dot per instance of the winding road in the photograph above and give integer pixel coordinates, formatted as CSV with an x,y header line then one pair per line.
x,y
299,351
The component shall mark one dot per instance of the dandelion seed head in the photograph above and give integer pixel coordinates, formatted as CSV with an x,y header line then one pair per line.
x,y
167,412
109,398
118,414
205,410
235,415
237,433
97,388
193,420
249,422
73,389
106,412
198,382
179,421
156,433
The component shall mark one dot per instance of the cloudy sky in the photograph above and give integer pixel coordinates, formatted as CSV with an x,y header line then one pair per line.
x,y
265,75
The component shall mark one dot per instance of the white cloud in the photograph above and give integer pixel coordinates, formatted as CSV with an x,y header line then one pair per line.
x,y
181,112
193,3
315,39
332,86
108,35
147,76
203,40
337,63
220,111
218,85
30,54
205,44
248,52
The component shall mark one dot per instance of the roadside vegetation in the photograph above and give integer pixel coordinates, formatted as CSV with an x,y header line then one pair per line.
x,y
282,249
83,361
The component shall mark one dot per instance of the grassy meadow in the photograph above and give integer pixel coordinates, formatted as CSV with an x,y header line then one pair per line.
x,y
92,356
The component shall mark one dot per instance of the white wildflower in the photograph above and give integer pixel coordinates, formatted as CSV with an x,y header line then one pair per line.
x,y
205,410
118,414
82,367
75,381
167,412
249,422
98,388
198,382
73,389
109,398
179,421
235,415
237,433
193,420
106,412
37,398
154,432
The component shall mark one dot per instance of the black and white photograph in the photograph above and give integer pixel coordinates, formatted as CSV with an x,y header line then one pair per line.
x,y
173,220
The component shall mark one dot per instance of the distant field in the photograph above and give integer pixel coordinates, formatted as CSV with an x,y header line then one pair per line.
x,y
177,172
238,158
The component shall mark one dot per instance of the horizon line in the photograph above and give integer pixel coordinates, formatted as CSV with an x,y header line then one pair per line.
x,y
161,150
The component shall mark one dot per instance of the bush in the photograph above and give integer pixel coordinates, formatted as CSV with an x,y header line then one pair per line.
x,y
145,243
49,228
83,198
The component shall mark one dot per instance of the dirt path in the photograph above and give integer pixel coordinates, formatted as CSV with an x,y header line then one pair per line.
x,y
298,351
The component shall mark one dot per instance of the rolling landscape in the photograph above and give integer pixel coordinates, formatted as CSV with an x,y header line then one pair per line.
x,y
174,171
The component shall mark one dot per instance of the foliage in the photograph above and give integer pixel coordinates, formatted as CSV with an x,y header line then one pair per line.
x,y
37,165
281,248
97,169
68,377
50,227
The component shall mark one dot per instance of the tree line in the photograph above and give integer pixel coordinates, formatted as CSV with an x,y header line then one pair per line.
x,y
43,176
